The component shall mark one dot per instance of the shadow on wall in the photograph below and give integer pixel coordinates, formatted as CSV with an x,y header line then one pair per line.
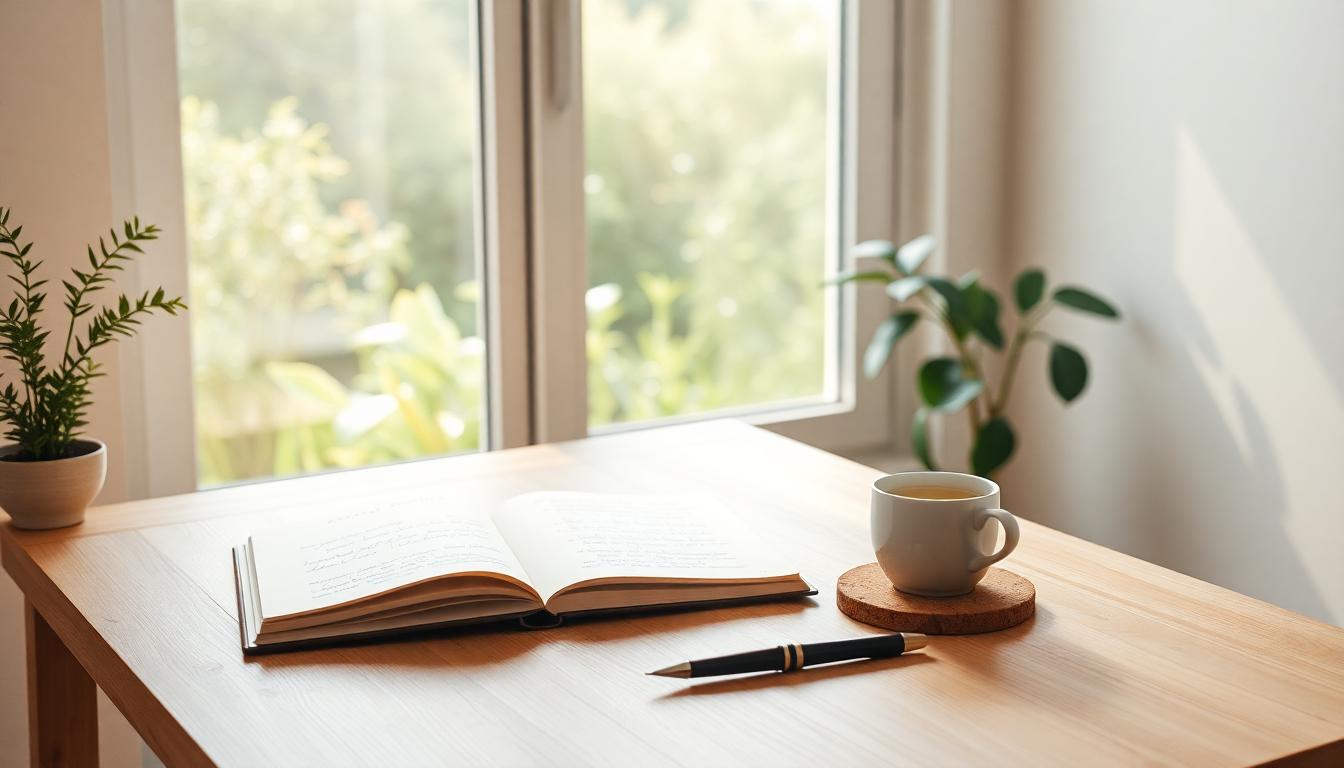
x,y
1203,187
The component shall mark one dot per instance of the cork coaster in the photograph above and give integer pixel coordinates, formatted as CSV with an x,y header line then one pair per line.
x,y
1001,600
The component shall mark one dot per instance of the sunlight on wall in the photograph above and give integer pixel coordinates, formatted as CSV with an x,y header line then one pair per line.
x,y
1261,355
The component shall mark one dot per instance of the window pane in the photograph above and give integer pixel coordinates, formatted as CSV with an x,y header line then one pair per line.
x,y
329,150
707,133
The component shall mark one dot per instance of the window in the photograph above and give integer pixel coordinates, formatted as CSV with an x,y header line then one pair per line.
x,y
710,137
329,153
417,227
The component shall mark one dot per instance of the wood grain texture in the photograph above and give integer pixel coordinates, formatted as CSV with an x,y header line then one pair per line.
x,y
62,701
1125,662
1001,600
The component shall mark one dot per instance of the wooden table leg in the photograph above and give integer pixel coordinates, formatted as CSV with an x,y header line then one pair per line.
x,y
62,700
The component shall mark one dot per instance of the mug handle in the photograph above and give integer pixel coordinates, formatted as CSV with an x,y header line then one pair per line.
x,y
1010,536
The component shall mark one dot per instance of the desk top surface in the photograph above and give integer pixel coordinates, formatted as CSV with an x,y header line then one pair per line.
x,y
1124,662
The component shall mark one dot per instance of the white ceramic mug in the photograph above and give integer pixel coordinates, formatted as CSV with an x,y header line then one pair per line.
x,y
937,547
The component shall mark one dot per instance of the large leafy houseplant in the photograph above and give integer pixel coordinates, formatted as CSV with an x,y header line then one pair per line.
x,y
969,312
44,410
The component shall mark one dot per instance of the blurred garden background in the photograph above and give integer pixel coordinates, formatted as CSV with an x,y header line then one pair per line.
x,y
329,151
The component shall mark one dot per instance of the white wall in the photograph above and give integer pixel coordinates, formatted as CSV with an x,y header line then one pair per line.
x,y
1187,159
55,175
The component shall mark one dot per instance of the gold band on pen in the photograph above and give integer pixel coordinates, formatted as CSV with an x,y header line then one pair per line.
x,y
798,655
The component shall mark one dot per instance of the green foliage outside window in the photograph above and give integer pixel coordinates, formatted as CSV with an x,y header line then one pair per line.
x,y
334,289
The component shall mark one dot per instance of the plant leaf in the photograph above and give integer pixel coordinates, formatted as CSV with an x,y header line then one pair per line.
x,y
954,302
875,249
884,340
1068,371
1028,289
943,384
994,444
906,287
309,385
863,277
919,439
911,256
982,310
950,292
1084,301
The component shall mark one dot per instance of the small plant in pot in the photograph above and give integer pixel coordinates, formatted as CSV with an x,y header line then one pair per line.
x,y
49,474
969,313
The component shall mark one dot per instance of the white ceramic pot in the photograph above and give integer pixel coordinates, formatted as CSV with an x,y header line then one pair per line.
x,y
51,494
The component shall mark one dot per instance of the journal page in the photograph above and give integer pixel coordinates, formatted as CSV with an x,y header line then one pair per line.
x,y
570,538
312,566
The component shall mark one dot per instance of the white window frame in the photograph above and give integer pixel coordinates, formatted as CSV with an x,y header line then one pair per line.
x,y
864,416
861,415
144,141
531,239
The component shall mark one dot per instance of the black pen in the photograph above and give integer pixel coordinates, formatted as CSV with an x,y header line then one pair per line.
x,y
787,658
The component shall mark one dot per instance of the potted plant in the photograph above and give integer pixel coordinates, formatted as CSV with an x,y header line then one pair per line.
x,y
49,474
968,312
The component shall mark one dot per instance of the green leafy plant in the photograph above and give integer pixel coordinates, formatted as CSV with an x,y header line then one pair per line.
x,y
45,411
969,313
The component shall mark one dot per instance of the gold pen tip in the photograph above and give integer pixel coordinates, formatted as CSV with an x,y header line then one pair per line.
x,y
682,670
914,641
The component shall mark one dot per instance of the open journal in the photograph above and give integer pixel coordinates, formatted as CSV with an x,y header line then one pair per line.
x,y
540,557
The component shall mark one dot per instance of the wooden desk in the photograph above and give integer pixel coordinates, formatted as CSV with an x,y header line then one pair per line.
x,y
1124,663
